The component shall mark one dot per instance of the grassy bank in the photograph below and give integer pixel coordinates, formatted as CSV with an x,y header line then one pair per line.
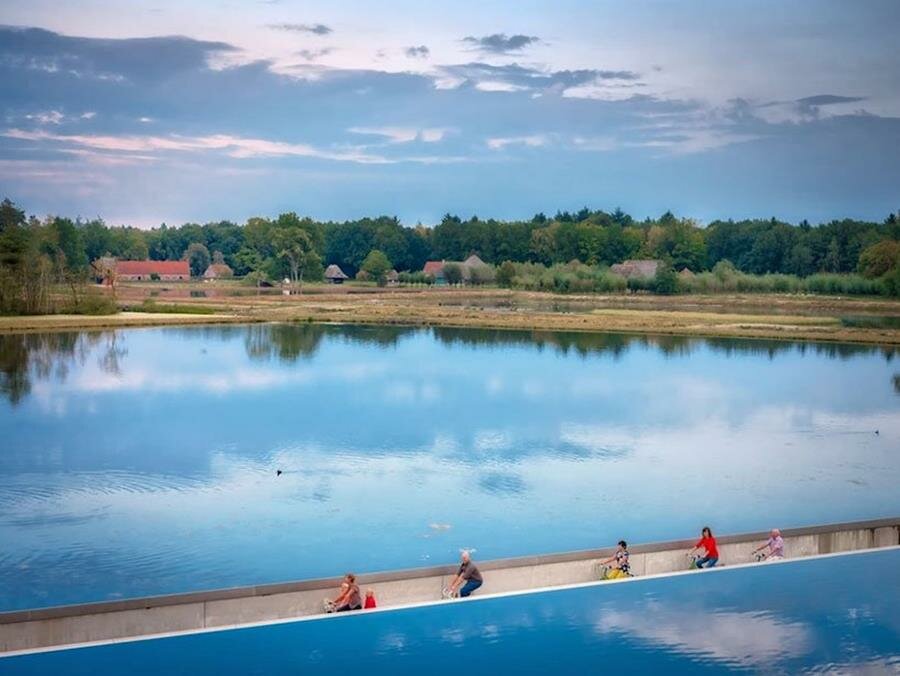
x,y
821,318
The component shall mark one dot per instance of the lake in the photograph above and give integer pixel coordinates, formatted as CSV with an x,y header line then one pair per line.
x,y
806,616
146,461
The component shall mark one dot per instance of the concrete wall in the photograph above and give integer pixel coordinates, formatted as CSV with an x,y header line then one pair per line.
x,y
140,617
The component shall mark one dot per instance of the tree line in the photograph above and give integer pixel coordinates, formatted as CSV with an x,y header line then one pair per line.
x,y
60,249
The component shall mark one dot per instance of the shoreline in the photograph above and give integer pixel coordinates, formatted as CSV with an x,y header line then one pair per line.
x,y
753,316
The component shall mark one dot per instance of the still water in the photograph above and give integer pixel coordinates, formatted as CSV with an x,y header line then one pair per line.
x,y
145,461
812,616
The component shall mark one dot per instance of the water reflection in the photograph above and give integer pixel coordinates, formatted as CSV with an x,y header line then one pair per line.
x,y
799,617
25,358
145,461
757,640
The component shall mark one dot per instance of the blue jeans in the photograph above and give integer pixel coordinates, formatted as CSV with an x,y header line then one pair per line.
x,y
469,587
706,562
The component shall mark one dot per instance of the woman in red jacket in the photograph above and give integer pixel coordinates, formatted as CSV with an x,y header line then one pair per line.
x,y
710,552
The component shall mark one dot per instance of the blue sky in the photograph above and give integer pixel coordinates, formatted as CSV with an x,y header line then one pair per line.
x,y
152,110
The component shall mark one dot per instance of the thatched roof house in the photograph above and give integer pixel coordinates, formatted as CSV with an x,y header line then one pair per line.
x,y
218,271
643,269
335,275
435,269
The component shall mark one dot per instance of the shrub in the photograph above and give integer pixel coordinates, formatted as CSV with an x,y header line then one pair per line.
x,y
482,274
255,278
835,284
418,277
91,303
453,273
890,281
376,266
153,306
878,259
666,281
506,273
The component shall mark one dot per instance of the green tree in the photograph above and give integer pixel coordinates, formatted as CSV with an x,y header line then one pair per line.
x,y
96,239
453,273
377,265
506,273
68,245
877,259
832,260
197,256
295,247
543,245
666,281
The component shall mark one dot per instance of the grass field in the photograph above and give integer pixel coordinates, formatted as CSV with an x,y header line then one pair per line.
x,y
857,320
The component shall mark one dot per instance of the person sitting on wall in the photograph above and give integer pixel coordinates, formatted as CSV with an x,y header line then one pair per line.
x,y
620,566
468,573
349,598
775,546
710,551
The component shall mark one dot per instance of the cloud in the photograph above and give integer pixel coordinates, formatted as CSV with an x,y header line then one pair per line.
x,y
403,134
515,78
315,28
500,43
420,52
49,117
804,109
108,60
533,141
691,141
233,146
548,118
314,54
828,99
743,640
597,440
499,86
811,106
595,143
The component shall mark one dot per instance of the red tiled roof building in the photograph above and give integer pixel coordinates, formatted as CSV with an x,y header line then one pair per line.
x,y
138,271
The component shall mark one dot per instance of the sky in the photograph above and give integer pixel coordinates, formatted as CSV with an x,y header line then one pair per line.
x,y
154,111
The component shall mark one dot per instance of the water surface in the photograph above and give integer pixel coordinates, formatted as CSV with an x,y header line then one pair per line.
x,y
808,616
145,461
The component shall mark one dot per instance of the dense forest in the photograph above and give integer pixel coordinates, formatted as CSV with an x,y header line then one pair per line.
x,y
61,249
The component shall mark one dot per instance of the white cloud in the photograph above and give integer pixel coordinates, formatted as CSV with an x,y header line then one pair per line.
x,y
233,146
448,82
601,91
532,141
597,439
89,115
739,639
48,117
688,141
595,143
404,134
499,86
492,440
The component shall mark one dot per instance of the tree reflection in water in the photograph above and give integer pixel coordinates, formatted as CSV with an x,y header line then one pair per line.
x,y
25,357
39,356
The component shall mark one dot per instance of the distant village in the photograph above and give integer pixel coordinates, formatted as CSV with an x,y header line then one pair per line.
x,y
109,270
